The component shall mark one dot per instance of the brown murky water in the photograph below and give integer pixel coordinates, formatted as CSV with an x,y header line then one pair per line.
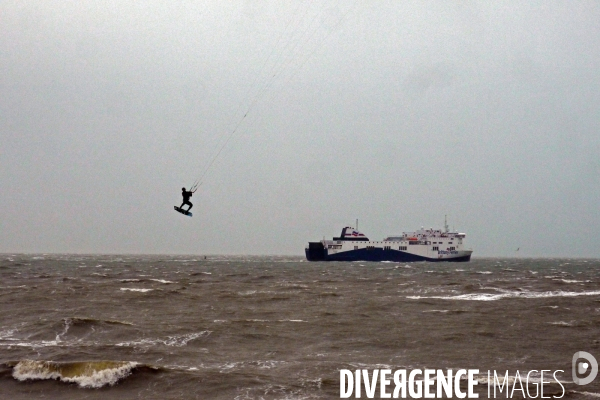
x,y
173,327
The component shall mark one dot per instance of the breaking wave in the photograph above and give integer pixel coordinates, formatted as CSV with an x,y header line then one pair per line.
x,y
86,374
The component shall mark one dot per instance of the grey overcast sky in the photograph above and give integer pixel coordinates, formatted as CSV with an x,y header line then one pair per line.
x,y
392,112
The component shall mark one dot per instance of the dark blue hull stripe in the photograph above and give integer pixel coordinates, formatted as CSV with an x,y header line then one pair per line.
x,y
382,255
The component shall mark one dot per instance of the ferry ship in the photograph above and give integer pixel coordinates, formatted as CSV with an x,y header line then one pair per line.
x,y
421,245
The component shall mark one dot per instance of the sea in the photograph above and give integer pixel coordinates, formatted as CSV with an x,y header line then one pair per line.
x,y
249,327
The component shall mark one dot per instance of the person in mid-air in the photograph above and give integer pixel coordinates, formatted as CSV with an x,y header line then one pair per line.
x,y
186,199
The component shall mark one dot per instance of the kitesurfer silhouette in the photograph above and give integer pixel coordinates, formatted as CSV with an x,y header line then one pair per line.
x,y
186,198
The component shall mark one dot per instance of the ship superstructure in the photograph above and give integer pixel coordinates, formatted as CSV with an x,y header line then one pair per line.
x,y
421,245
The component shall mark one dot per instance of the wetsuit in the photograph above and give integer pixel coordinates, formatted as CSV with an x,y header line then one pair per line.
x,y
186,199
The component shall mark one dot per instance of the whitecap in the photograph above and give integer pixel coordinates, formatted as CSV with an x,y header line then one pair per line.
x,y
7,334
95,374
509,294
136,290
37,344
291,320
174,341
590,394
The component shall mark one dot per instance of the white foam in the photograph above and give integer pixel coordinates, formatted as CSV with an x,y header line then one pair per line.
x,y
509,294
130,280
37,343
136,290
268,364
561,323
174,341
589,394
7,334
86,375
161,281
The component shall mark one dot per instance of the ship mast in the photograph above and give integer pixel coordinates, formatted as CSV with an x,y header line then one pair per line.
x,y
446,223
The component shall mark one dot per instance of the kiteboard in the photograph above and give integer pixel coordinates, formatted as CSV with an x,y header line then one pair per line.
x,y
189,214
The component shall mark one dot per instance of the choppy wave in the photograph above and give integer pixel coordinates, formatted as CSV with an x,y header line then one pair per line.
x,y
445,311
509,294
145,280
571,280
92,321
174,341
562,323
162,281
589,394
86,374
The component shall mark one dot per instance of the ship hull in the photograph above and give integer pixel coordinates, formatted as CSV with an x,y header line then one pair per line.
x,y
379,255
